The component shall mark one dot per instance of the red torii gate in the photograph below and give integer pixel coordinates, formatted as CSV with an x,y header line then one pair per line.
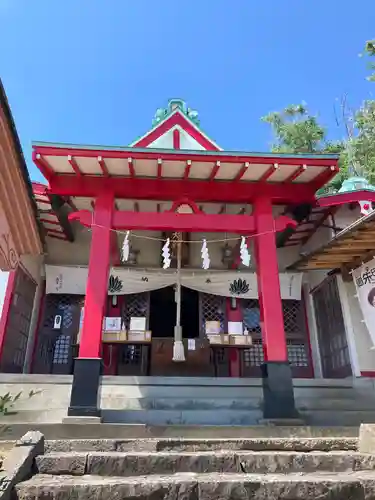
x,y
281,179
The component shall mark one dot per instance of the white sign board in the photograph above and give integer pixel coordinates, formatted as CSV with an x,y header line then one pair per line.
x,y
137,324
364,279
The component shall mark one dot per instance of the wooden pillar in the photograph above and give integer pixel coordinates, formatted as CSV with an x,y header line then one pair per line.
x,y
87,369
276,371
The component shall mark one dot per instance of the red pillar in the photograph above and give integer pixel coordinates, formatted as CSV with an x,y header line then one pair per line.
x,y
87,368
234,314
272,319
276,371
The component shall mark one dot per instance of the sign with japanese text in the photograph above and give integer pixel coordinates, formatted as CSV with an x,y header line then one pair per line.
x,y
364,279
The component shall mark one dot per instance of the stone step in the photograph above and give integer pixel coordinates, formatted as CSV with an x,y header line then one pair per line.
x,y
141,431
190,486
332,417
170,462
325,417
271,444
231,403
184,417
109,393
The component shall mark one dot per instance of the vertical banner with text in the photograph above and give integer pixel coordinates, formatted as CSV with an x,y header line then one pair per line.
x,y
364,279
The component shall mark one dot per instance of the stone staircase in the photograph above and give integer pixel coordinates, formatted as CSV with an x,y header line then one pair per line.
x,y
205,469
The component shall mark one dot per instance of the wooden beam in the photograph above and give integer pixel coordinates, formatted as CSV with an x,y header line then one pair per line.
x,y
103,166
172,189
267,174
74,165
170,221
241,172
187,170
214,171
160,168
296,174
131,167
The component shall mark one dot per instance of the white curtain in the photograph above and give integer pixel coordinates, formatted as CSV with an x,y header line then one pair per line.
x,y
72,280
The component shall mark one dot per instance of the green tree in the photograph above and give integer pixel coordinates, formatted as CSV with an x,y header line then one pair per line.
x,y
370,52
360,149
297,131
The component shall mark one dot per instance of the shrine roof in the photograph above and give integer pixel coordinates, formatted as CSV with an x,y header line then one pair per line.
x,y
348,249
55,159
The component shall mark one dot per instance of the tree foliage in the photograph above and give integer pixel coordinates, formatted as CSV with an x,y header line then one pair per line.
x,y
296,130
370,52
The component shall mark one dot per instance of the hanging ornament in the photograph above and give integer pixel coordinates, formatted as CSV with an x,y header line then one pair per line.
x,y
205,255
244,252
166,255
125,248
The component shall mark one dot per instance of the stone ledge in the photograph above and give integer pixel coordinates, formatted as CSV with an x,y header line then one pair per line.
x,y
356,486
18,463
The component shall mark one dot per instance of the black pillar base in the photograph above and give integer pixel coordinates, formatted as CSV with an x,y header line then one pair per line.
x,y
278,391
85,395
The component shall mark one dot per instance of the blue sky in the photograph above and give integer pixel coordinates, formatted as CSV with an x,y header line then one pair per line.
x,y
94,71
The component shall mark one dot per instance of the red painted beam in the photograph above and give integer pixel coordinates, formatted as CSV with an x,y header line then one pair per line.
x,y
43,165
296,174
170,221
324,177
241,172
346,198
160,168
131,167
187,170
267,174
74,165
171,189
214,171
176,139
103,166
183,155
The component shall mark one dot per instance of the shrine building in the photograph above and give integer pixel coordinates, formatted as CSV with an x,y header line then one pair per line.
x,y
172,257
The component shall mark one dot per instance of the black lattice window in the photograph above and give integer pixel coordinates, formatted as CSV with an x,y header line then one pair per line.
x,y
254,356
62,350
136,306
212,308
132,354
294,320
60,304
251,315
297,354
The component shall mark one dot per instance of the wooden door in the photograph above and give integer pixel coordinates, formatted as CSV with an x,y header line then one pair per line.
x,y
56,348
333,344
18,323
